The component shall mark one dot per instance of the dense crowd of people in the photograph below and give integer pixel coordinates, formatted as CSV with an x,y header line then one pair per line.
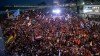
x,y
39,33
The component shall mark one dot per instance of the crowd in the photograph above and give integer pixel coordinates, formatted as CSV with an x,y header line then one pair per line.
x,y
38,33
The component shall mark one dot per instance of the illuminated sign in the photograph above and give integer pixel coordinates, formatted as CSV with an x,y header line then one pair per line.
x,y
91,9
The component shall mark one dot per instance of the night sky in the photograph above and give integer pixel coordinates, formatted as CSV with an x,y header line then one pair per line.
x,y
27,2
35,2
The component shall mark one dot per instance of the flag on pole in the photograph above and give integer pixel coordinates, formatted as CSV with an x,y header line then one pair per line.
x,y
9,39
16,13
27,18
38,37
82,24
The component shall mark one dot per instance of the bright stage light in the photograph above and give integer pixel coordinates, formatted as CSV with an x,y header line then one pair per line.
x,y
56,11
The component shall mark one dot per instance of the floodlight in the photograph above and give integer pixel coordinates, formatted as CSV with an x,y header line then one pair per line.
x,y
56,11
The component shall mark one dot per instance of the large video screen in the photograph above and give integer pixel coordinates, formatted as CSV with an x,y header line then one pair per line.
x,y
91,9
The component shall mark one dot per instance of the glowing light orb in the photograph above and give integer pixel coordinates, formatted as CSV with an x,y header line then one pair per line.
x,y
56,11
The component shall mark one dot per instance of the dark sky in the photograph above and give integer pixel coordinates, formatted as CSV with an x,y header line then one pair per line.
x,y
35,2
23,2
26,2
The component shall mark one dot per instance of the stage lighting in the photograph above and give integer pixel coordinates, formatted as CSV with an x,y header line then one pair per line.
x,y
56,11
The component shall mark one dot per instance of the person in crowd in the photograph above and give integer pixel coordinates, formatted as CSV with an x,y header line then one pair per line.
x,y
36,33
